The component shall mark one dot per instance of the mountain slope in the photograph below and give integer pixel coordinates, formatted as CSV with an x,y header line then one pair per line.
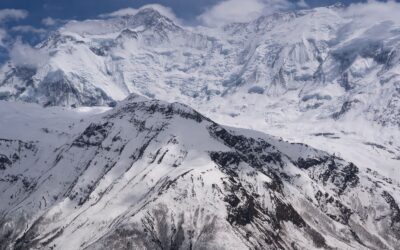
x,y
150,174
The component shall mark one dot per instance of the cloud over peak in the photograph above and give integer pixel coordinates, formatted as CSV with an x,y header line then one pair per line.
x,y
22,54
374,11
165,11
229,11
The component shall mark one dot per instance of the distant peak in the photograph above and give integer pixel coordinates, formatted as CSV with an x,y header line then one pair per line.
x,y
147,12
150,14
150,17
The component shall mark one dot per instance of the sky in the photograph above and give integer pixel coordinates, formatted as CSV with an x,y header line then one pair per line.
x,y
84,9
29,21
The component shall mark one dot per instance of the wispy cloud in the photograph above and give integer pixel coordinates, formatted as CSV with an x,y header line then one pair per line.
x,y
9,14
22,54
165,11
28,29
49,21
229,11
14,14
374,11
3,35
303,4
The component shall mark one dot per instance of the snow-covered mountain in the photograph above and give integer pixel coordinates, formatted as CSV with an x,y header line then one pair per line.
x,y
155,175
106,150
319,61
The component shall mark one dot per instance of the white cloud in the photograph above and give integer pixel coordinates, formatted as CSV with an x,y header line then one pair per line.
x,y
302,4
28,29
372,21
3,35
165,11
373,12
229,11
121,12
9,14
49,21
22,54
12,14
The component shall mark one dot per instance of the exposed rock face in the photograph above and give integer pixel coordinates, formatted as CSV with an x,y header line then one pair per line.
x,y
155,175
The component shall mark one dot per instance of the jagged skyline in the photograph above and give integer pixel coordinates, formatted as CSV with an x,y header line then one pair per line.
x,y
31,21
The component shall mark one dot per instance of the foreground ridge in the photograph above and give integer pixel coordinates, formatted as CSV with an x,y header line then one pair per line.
x,y
154,175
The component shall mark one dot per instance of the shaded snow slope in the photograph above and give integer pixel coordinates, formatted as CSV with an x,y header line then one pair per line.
x,y
156,175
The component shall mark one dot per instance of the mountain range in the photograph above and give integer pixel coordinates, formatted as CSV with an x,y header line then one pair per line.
x,y
139,132
325,62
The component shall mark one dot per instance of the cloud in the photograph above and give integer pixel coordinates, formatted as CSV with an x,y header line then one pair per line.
x,y
165,11
3,35
22,54
9,14
28,29
49,21
14,14
302,4
229,11
373,12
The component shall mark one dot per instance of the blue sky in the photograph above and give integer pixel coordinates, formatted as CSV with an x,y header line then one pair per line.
x,y
82,9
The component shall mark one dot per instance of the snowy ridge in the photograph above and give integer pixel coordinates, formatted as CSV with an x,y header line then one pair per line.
x,y
155,175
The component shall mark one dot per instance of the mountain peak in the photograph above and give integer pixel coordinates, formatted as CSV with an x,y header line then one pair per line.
x,y
136,102
151,18
149,11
